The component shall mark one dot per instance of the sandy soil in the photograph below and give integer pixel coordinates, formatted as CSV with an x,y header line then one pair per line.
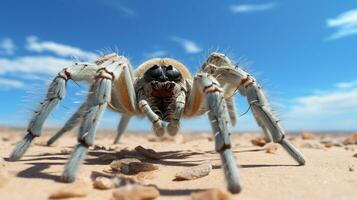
x,y
330,173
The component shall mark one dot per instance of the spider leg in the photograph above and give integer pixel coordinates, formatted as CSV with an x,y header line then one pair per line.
x,y
207,86
55,93
124,121
97,100
174,124
158,125
70,124
232,110
232,79
264,114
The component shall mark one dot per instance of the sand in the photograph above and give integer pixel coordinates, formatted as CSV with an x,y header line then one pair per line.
x,y
330,173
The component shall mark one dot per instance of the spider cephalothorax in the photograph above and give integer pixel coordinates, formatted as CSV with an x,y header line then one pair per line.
x,y
161,86
161,89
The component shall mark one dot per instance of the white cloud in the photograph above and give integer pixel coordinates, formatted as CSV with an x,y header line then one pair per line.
x,y
33,44
324,109
33,65
7,46
347,85
118,6
248,8
188,45
10,84
345,23
154,54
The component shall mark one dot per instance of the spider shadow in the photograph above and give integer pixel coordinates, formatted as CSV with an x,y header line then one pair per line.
x,y
95,157
36,170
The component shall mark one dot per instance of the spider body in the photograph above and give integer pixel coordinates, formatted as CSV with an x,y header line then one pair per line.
x,y
163,91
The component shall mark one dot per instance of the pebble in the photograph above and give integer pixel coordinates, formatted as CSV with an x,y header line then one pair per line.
x,y
99,147
355,155
5,138
194,172
148,153
348,148
212,194
76,189
66,151
131,166
258,141
116,165
4,177
137,167
103,183
312,145
331,143
271,148
351,168
328,145
308,136
135,192
351,139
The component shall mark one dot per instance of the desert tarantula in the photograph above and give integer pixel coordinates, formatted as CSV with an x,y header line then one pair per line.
x,y
161,89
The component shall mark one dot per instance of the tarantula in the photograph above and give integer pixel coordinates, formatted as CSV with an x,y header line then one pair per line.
x,y
163,90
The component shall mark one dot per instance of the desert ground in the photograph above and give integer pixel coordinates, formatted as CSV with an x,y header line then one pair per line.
x,y
267,170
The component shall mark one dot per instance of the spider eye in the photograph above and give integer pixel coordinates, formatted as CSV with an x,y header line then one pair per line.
x,y
172,73
154,73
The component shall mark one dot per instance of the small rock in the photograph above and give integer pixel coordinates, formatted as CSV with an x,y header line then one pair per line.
x,y
4,177
116,165
135,192
149,153
348,148
5,138
259,141
355,155
194,172
113,147
312,145
99,147
351,168
137,167
351,139
212,194
103,183
66,151
76,189
328,145
308,136
271,148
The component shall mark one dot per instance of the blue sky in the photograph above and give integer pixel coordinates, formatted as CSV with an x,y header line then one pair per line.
x,y
302,52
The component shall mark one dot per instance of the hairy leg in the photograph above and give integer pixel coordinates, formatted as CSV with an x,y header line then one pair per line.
x,y
97,100
207,87
55,93
174,124
70,124
259,105
158,125
124,121
233,79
